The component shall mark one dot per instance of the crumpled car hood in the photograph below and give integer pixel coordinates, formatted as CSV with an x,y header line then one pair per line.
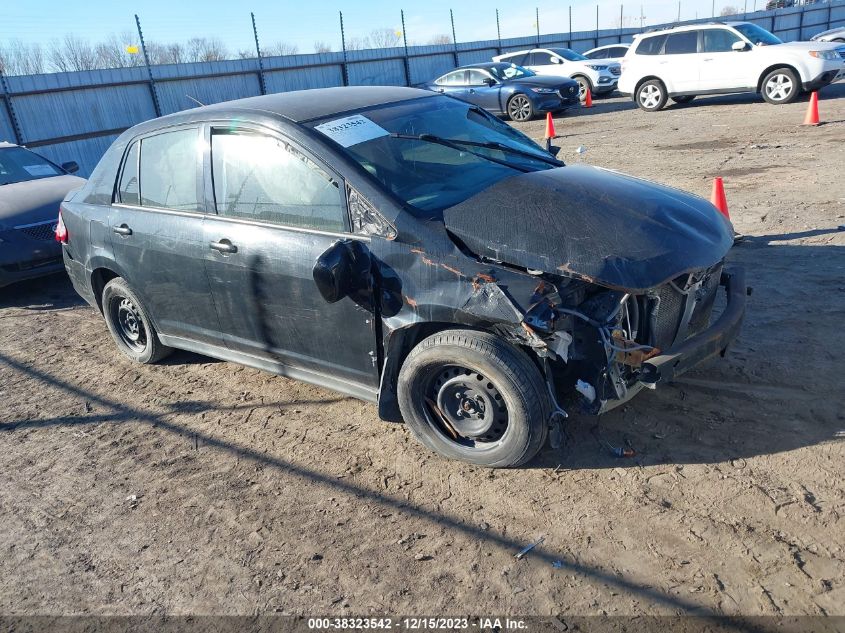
x,y
593,224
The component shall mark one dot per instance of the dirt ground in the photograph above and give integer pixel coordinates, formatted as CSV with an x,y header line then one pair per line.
x,y
202,487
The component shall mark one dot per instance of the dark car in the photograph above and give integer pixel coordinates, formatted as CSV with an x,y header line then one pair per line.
x,y
508,89
405,248
31,188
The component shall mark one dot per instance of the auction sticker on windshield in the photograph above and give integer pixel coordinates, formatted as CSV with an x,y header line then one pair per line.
x,y
351,130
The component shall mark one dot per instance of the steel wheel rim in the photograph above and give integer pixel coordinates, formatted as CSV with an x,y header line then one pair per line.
x,y
130,324
465,408
650,96
520,108
779,87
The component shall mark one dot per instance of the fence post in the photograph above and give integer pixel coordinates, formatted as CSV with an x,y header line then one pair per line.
x,y
153,91
344,70
570,27
621,20
537,24
454,38
405,42
498,34
10,109
597,26
261,85
801,23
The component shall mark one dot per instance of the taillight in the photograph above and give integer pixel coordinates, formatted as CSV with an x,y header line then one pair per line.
x,y
61,230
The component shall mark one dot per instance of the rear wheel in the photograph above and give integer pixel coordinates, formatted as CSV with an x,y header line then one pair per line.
x,y
470,396
781,86
681,99
520,108
130,325
651,95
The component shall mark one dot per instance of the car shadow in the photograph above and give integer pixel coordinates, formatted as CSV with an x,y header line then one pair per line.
x,y
51,292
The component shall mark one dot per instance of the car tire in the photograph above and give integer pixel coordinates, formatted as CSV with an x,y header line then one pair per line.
x,y
470,396
682,99
781,86
584,84
651,95
130,325
520,108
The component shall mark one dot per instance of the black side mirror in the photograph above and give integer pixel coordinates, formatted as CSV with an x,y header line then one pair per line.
x,y
341,270
70,167
490,81
554,150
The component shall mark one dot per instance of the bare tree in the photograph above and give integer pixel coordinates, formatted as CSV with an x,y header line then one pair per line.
x,y
441,39
72,53
205,49
729,10
357,43
19,58
385,38
114,53
322,47
280,48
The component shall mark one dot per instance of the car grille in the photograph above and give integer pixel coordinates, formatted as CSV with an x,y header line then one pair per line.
x,y
616,70
841,52
43,231
566,93
668,306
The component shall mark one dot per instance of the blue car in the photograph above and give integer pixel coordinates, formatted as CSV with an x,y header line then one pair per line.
x,y
503,88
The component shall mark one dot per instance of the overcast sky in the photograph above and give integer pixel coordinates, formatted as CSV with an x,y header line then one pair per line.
x,y
303,23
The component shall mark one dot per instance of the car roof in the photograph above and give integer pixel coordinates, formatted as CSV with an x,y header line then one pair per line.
x,y
482,65
601,48
687,27
299,106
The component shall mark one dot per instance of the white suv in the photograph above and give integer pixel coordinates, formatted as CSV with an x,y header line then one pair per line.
x,y
599,77
719,58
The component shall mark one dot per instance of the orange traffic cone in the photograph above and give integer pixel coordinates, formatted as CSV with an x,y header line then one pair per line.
x,y
588,99
550,127
812,117
718,197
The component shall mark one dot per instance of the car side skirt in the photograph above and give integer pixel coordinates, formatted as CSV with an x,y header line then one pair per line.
x,y
356,390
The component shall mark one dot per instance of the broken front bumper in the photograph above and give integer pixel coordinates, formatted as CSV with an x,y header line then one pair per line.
x,y
712,341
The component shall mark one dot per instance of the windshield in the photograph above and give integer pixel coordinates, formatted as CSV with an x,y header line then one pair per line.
x,y
426,175
19,165
503,72
569,54
757,35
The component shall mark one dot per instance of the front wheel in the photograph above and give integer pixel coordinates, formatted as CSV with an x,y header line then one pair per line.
x,y
470,396
520,108
781,86
651,96
584,86
130,325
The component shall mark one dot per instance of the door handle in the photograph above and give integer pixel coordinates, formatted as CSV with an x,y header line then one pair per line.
x,y
122,230
223,246
472,90
441,90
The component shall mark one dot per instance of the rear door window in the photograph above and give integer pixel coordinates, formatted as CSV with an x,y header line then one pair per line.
x,y
682,43
718,41
651,45
263,178
169,168
127,191
600,54
617,51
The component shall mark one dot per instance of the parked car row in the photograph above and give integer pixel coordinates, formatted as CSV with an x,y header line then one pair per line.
x,y
677,63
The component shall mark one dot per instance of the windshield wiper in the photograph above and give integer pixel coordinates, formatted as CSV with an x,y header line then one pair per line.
x,y
459,146
513,150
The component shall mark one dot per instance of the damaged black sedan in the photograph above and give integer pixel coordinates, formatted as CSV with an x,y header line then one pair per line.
x,y
405,248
